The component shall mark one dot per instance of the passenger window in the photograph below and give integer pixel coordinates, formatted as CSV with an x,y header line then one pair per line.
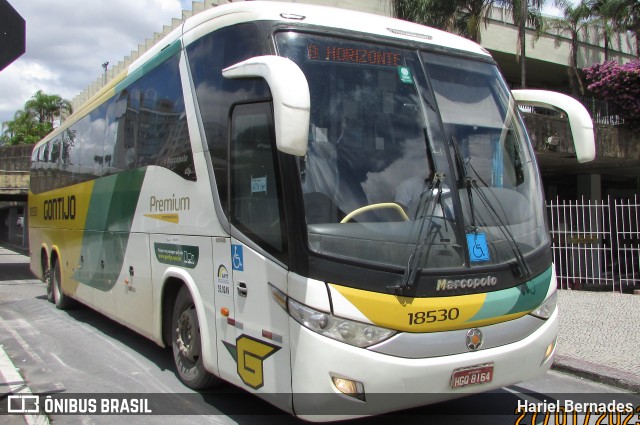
x,y
256,201
208,57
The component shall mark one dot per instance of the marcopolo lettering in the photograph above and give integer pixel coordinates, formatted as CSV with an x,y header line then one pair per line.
x,y
62,208
449,285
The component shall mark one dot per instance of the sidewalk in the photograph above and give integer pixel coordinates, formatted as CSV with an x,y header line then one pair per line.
x,y
14,266
599,336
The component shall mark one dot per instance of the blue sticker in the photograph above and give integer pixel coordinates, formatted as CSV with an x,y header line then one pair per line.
x,y
237,258
478,248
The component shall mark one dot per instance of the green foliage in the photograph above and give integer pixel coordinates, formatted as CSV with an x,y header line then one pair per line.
x,y
463,17
575,18
623,15
35,121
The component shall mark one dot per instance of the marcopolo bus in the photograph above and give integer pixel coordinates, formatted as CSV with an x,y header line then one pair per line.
x,y
339,212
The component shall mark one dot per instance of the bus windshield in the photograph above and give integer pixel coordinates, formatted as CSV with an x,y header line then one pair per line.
x,y
411,154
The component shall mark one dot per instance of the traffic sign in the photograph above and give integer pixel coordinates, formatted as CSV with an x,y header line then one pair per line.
x,y
12,34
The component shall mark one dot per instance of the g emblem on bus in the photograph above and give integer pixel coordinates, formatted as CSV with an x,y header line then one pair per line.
x,y
474,339
250,354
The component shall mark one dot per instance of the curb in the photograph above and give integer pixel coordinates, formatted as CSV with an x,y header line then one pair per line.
x,y
11,378
597,372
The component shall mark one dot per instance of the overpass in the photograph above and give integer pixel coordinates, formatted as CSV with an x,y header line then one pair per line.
x,y
15,162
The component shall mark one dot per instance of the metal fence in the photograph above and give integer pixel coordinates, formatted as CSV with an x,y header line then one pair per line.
x,y
602,111
596,244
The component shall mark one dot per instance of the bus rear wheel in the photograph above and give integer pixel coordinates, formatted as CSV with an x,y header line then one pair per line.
x,y
46,279
61,300
187,343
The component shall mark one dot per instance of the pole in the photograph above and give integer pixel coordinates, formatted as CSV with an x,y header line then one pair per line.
x,y
523,35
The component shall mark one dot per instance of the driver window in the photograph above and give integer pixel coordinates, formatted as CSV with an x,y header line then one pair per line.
x,y
256,201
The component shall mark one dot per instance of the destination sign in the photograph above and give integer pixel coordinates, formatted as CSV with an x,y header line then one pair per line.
x,y
340,53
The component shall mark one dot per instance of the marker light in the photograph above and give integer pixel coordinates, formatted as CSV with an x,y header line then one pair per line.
x,y
343,330
550,350
547,308
348,387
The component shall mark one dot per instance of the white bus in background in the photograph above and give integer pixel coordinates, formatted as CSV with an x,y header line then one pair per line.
x,y
339,212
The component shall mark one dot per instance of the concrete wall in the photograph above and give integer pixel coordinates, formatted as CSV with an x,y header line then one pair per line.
x,y
15,162
612,142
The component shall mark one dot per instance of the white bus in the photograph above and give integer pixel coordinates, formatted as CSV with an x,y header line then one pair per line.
x,y
322,207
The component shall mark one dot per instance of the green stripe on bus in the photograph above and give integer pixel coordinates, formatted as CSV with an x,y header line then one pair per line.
x,y
520,299
111,212
149,66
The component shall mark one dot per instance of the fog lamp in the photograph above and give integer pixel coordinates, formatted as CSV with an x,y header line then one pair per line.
x,y
349,387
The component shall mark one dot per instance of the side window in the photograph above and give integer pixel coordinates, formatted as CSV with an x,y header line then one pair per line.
x,y
208,56
256,201
92,151
147,124
34,181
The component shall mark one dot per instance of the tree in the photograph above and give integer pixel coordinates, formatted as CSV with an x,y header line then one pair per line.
x,y
618,84
624,15
575,18
47,106
436,14
36,119
525,12
465,17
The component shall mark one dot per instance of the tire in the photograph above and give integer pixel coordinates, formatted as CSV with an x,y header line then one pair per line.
x,y
46,279
187,343
62,301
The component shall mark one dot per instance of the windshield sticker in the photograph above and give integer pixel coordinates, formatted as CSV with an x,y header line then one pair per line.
x,y
223,285
405,75
341,54
259,184
478,247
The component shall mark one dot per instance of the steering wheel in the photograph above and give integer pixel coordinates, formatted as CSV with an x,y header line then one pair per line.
x,y
372,207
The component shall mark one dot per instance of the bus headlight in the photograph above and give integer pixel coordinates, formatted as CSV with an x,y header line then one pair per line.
x,y
547,308
343,330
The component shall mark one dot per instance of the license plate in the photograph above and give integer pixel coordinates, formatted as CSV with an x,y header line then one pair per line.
x,y
480,374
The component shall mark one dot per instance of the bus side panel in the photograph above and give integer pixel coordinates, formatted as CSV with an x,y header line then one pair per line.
x,y
188,259
224,302
133,292
262,346
56,223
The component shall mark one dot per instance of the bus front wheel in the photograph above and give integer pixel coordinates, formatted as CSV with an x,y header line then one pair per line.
x,y
187,343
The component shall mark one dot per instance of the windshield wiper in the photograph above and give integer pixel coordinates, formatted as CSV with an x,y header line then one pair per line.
x,y
522,268
410,272
413,264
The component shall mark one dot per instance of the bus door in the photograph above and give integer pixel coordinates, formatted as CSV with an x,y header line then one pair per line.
x,y
257,250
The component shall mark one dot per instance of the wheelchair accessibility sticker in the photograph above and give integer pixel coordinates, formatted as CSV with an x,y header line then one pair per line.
x,y
237,258
478,247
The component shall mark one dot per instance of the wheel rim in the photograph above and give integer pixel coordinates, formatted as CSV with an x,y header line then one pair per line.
x,y
47,282
56,289
187,335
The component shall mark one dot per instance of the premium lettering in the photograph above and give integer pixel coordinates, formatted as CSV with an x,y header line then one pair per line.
x,y
169,204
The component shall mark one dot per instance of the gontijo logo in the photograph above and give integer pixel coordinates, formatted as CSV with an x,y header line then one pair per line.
x,y
62,208
448,285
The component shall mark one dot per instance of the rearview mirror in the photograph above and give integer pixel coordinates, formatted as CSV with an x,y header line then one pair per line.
x,y
579,118
291,100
